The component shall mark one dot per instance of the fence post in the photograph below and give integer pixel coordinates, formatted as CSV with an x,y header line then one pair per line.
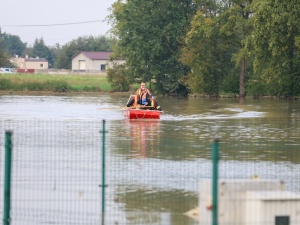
x,y
103,171
7,177
215,158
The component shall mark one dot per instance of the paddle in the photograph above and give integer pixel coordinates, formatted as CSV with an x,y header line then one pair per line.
x,y
139,106
109,108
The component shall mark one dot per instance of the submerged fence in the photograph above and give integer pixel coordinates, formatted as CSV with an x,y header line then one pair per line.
x,y
56,173
87,172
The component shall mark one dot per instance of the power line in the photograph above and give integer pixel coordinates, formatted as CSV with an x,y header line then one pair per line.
x,y
52,25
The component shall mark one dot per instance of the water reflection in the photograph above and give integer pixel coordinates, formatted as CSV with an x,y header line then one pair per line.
x,y
157,207
144,136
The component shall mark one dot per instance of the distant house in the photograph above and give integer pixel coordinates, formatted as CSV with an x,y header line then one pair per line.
x,y
91,62
31,63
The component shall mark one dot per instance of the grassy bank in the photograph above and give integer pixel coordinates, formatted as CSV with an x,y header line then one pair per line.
x,y
54,83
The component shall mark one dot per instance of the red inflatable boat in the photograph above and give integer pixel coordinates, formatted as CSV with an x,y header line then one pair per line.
x,y
142,114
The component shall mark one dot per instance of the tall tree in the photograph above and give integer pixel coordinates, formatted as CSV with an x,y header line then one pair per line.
x,y
215,43
42,51
4,56
206,50
86,43
13,44
55,51
202,54
150,37
241,12
276,39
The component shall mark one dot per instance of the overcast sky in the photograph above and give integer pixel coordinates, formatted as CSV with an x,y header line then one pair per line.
x,y
18,16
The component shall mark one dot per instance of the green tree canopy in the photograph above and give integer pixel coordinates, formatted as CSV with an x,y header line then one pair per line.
x,y
276,39
13,45
73,48
261,37
214,37
150,36
4,56
42,51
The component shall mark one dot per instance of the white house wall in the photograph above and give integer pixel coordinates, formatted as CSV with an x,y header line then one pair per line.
x,y
90,65
75,61
96,64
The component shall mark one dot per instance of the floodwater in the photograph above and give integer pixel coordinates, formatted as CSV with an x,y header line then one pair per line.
x,y
152,167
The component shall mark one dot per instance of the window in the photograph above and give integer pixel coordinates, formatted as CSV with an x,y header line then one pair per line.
x,y
41,65
282,220
103,67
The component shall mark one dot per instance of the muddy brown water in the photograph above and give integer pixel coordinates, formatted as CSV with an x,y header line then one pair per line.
x,y
153,168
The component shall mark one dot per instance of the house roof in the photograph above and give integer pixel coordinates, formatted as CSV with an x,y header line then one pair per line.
x,y
97,55
36,60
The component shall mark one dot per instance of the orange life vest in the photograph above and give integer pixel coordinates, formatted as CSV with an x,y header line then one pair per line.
x,y
142,94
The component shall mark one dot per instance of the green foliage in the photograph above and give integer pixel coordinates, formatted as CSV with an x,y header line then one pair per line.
x,y
28,52
57,86
276,45
55,52
32,86
208,53
4,59
256,87
13,45
73,48
149,37
42,51
53,83
5,84
230,83
118,77
200,45
4,56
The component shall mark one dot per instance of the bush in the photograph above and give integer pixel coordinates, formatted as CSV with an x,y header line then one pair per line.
x,y
256,88
57,86
118,77
231,84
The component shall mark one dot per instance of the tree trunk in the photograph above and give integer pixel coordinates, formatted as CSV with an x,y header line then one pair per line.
x,y
242,79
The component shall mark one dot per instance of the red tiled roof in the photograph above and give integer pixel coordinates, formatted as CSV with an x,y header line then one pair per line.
x,y
97,55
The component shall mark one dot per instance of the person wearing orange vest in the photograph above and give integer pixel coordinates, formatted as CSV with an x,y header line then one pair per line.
x,y
153,103
142,95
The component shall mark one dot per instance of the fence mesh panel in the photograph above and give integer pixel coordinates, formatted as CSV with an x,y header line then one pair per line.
x,y
152,176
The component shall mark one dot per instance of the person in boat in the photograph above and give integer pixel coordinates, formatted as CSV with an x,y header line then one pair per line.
x,y
151,104
144,99
131,101
154,104
142,95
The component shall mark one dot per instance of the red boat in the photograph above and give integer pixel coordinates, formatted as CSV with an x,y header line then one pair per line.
x,y
142,114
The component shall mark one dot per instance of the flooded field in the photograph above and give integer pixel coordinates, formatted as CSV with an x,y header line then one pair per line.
x,y
153,168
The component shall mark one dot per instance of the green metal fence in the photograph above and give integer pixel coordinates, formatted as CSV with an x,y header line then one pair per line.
x,y
116,172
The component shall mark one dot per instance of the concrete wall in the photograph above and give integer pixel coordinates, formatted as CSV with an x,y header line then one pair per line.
x,y
81,63
90,65
36,65
231,196
263,207
25,63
